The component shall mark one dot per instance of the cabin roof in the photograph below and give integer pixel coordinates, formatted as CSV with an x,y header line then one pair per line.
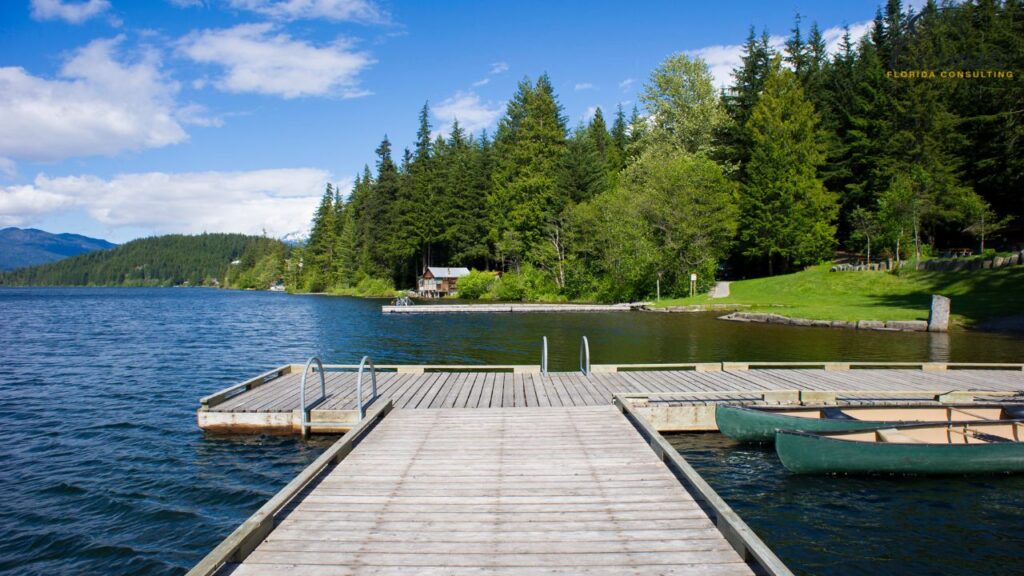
x,y
439,272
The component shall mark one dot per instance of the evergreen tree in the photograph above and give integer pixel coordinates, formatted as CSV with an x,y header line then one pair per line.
x,y
319,252
529,146
584,173
619,140
787,215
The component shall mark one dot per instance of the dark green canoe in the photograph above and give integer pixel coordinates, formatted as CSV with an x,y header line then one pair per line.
x,y
900,450
759,423
750,424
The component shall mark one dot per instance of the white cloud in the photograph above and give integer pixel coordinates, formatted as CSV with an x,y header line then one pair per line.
x,y
498,68
188,3
364,11
466,107
98,106
280,201
481,82
70,12
196,115
589,113
258,59
625,84
583,86
723,59
834,35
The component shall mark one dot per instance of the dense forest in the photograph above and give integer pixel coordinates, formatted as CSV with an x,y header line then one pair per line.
x,y
225,260
903,142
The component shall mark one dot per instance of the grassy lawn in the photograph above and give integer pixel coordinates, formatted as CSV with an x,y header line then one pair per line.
x,y
819,294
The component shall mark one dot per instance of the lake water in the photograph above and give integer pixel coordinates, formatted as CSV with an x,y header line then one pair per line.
x,y
872,525
105,471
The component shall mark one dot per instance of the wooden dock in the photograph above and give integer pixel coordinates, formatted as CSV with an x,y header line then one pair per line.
x,y
507,308
588,490
683,394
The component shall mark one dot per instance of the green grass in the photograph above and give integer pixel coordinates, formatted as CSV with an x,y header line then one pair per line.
x,y
818,294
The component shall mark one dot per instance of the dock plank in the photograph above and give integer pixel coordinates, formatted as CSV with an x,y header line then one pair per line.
x,y
451,491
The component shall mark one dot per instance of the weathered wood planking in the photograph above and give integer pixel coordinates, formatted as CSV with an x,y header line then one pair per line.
x,y
273,406
503,491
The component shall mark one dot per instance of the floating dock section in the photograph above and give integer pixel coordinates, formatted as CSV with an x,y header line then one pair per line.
x,y
511,491
678,397
514,307
510,470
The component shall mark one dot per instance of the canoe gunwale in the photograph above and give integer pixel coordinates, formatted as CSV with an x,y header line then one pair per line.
x,y
837,434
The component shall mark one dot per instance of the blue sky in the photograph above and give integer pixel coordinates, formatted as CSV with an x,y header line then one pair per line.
x,y
122,118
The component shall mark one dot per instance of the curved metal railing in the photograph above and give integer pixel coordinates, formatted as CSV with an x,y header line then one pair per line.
x,y
359,386
302,391
544,355
584,356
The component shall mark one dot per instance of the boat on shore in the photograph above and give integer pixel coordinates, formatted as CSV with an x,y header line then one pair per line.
x,y
759,423
976,447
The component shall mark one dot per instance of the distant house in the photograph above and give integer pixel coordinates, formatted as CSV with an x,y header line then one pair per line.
x,y
437,282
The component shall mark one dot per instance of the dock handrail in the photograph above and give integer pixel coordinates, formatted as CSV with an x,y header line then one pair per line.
x,y
584,356
544,355
302,392
359,386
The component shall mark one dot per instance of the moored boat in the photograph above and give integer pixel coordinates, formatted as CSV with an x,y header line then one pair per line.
x,y
978,447
759,423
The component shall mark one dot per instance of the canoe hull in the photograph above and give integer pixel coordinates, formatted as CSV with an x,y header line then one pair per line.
x,y
818,454
759,426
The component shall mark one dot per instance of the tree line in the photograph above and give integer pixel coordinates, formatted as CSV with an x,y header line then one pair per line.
x,y
806,152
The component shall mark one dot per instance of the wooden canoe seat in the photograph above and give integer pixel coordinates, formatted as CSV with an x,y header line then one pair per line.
x,y
895,436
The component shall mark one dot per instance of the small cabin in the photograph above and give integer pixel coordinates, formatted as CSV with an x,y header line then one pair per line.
x,y
437,282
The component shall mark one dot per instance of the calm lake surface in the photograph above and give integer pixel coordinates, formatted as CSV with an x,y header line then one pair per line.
x,y
105,471
877,525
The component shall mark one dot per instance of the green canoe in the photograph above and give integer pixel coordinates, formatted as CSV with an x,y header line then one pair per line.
x,y
946,448
759,423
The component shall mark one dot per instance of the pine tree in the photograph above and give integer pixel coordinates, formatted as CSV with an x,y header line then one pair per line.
x,y
619,140
319,251
584,173
787,215
529,146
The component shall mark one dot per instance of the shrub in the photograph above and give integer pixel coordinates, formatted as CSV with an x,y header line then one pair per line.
x,y
475,285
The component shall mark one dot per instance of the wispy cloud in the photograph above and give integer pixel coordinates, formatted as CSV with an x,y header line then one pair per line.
x,y
588,113
472,113
277,200
99,104
258,58
481,82
627,83
722,59
364,11
498,68
583,86
70,12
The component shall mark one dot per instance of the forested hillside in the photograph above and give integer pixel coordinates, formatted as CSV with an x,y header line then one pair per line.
x,y
166,261
905,141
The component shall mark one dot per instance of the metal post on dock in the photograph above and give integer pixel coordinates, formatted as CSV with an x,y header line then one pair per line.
x,y
584,356
544,355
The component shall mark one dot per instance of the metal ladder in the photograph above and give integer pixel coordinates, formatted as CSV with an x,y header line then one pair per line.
x,y
584,356
306,409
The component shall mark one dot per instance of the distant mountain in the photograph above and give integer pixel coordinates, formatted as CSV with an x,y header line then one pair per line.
x,y
233,260
20,247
